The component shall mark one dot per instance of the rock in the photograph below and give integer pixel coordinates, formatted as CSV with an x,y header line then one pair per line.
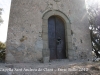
x,y
3,73
9,66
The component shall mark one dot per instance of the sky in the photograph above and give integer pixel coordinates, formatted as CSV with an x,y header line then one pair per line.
x,y
5,4
92,2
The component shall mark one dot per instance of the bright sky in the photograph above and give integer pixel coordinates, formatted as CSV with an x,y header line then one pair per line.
x,y
92,2
5,4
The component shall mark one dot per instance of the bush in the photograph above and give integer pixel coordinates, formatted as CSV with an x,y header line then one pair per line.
x,y
2,51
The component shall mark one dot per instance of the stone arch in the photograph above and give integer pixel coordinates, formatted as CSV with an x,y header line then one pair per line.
x,y
46,51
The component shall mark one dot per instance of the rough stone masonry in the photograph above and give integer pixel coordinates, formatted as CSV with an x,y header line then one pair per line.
x,y
27,39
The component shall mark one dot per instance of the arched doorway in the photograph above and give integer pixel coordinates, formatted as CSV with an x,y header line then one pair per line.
x,y
67,26
56,38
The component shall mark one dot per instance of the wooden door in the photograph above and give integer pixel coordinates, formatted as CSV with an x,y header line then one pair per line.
x,y
56,36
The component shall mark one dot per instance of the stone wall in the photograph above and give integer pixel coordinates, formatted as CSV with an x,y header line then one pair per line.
x,y
25,42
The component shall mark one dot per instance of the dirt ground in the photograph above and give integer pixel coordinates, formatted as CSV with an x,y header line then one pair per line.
x,y
62,67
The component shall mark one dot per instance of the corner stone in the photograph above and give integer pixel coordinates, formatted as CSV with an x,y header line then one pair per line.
x,y
45,59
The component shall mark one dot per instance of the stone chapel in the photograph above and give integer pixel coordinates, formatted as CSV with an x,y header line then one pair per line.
x,y
45,30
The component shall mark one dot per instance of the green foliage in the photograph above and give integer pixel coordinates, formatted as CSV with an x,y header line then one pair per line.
x,y
2,45
2,51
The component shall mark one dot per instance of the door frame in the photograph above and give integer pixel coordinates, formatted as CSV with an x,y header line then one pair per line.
x,y
68,37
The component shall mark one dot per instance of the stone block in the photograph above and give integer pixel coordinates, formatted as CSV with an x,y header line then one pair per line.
x,y
45,37
45,29
45,44
69,39
70,45
68,32
46,52
46,59
44,22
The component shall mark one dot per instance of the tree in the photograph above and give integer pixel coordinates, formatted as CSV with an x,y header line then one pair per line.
x,y
1,20
94,21
2,45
